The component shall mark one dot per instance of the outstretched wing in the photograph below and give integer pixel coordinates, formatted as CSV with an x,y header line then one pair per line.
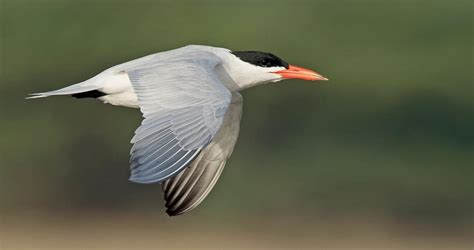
x,y
189,188
183,103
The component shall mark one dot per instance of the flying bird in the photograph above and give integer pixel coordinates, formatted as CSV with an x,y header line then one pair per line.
x,y
190,101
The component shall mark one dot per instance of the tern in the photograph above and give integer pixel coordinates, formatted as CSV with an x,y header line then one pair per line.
x,y
190,101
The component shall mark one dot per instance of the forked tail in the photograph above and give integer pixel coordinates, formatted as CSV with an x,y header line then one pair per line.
x,y
80,90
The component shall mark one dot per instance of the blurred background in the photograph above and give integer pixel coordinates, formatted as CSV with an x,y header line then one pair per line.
x,y
381,156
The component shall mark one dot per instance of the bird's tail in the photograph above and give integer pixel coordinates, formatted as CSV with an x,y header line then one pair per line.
x,y
73,90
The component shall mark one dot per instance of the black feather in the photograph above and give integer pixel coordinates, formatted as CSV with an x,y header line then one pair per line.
x,y
89,94
261,59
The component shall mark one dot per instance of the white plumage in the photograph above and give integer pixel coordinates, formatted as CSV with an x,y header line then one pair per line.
x,y
191,108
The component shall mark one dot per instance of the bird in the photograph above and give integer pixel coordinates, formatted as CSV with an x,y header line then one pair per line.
x,y
191,107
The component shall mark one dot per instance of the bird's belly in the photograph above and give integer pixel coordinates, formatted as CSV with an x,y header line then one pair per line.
x,y
118,90
125,98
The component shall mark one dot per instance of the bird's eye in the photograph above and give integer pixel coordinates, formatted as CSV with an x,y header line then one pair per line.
x,y
265,62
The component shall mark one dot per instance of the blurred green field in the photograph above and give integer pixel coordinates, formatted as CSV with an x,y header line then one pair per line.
x,y
389,138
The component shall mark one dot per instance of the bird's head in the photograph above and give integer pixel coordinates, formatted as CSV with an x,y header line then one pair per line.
x,y
249,68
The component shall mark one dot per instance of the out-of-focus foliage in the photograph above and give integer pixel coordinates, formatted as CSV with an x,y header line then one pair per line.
x,y
391,133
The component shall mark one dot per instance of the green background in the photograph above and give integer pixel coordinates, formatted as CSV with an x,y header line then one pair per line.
x,y
386,143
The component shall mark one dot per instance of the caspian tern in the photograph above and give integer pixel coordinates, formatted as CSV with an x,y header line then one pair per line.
x,y
191,106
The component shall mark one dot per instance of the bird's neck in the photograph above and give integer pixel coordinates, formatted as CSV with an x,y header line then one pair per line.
x,y
234,81
237,76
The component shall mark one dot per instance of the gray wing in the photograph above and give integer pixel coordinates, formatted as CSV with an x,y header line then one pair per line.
x,y
189,188
183,103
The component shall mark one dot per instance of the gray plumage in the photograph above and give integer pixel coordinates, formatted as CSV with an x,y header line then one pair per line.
x,y
189,188
182,114
190,101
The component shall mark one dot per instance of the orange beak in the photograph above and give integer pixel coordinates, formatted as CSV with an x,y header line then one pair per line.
x,y
295,72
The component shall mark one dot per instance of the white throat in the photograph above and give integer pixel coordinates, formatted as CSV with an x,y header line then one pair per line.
x,y
238,75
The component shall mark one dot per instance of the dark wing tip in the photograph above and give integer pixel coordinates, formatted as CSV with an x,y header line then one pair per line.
x,y
172,212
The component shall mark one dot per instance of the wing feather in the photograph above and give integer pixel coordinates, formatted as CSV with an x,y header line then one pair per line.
x,y
183,103
188,189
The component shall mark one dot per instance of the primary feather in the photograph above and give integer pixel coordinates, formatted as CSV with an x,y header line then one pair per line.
x,y
189,188
182,114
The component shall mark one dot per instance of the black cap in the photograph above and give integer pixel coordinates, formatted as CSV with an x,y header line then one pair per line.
x,y
261,59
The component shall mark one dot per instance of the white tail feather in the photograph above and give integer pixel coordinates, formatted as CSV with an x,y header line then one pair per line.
x,y
73,89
